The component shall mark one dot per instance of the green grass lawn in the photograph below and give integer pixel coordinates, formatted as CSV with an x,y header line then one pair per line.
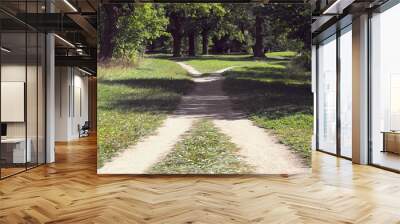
x,y
133,102
211,63
204,150
275,100
286,54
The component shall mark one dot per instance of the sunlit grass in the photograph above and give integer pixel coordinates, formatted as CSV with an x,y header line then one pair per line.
x,y
204,150
211,63
286,54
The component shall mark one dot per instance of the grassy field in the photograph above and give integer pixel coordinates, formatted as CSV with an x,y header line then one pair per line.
x,y
204,150
273,96
133,102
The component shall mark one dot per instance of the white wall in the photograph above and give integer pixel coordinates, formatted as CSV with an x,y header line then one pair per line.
x,y
70,83
62,82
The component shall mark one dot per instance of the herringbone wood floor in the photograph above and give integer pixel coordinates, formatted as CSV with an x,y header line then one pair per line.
x,y
69,191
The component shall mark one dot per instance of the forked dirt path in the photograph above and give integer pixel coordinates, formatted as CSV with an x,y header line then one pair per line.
x,y
258,148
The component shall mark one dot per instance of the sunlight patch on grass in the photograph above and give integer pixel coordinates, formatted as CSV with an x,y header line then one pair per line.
x,y
204,150
286,54
212,63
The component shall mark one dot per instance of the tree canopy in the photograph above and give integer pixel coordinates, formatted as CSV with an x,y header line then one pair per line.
x,y
218,27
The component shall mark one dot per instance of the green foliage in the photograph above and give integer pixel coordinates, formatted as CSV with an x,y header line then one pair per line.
x,y
230,27
133,102
203,151
141,25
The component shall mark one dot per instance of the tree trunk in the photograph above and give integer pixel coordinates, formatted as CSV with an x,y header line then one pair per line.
x,y
259,45
220,45
205,42
107,37
177,52
177,33
192,43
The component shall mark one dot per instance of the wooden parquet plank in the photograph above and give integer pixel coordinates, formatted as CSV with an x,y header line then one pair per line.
x,y
70,191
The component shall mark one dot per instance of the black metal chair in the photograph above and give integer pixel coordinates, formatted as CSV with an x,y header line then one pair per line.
x,y
84,130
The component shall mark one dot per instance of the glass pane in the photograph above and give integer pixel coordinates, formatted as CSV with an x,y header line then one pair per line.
x,y
14,153
385,89
327,95
346,92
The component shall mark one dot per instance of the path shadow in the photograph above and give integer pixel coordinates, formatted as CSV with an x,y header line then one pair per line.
x,y
208,100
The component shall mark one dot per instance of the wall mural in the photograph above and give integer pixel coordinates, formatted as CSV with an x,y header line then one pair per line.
x,y
204,89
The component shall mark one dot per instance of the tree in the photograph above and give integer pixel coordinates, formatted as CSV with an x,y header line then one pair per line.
x,y
259,38
191,20
109,14
210,20
137,29
177,14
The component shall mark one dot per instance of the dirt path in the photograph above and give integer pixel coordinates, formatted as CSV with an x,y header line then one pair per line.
x,y
140,157
207,100
259,148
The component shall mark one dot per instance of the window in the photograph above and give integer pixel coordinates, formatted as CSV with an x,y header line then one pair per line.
x,y
327,95
385,89
22,77
346,92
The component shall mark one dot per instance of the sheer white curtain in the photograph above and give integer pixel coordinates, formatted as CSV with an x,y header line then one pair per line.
x,y
327,95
